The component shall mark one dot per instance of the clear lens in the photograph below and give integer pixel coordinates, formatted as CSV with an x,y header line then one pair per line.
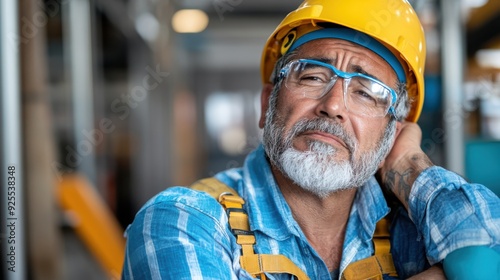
x,y
362,94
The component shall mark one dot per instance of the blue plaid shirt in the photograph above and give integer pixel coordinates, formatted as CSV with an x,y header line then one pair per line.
x,y
183,234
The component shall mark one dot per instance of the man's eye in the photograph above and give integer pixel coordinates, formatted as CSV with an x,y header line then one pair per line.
x,y
364,94
365,97
312,79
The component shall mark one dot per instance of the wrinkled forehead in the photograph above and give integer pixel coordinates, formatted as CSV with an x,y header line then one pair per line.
x,y
357,38
347,57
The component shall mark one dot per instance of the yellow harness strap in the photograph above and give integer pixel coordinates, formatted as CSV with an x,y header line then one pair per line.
x,y
255,264
374,267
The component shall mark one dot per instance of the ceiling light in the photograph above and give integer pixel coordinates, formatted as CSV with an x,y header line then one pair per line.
x,y
189,21
488,58
474,3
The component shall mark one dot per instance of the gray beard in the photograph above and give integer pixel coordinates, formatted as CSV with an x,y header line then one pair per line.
x,y
315,169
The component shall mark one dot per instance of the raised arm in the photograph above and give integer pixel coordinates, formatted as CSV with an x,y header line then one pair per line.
x,y
404,163
459,221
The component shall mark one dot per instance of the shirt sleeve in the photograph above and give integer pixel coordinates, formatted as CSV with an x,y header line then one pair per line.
x,y
451,213
179,234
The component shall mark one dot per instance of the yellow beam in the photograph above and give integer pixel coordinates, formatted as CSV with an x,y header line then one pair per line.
x,y
95,224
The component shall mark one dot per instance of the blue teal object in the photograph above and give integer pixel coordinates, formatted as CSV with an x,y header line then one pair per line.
x,y
432,101
472,263
482,163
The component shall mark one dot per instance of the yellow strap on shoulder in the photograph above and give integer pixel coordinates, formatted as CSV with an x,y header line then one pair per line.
x,y
374,267
258,264
213,187
255,264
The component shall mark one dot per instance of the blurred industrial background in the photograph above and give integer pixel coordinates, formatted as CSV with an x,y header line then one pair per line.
x,y
107,102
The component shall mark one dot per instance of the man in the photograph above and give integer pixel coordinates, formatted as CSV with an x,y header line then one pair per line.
x,y
340,77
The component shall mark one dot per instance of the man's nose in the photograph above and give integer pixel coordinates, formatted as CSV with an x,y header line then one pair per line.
x,y
332,104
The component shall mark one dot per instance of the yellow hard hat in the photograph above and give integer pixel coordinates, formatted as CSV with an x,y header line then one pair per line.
x,y
393,23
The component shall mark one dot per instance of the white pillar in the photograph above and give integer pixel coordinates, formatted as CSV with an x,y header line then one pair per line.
x,y
11,172
452,54
78,38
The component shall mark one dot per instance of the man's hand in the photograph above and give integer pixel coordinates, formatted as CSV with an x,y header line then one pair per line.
x,y
404,162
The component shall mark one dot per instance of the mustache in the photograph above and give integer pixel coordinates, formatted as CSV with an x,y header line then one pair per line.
x,y
325,126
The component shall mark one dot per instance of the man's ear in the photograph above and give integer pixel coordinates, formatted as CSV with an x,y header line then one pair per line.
x,y
264,103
